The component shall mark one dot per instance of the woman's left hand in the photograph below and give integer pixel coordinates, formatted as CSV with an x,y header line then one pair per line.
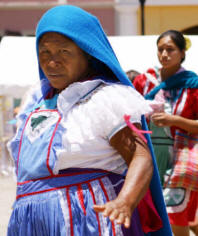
x,y
136,154
162,119
118,210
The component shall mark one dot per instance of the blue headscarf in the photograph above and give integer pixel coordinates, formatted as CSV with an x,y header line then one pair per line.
x,y
85,30
184,79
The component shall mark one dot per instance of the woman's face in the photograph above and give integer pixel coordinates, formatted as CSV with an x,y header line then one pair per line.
x,y
169,54
61,60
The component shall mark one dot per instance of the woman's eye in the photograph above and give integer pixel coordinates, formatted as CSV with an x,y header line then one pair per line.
x,y
44,52
170,49
64,52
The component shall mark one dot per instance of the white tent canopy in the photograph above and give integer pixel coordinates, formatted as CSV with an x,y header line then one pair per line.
x,y
140,52
18,65
19,69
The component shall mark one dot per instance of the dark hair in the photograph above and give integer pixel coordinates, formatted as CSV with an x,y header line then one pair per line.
x,y
177,38
132,74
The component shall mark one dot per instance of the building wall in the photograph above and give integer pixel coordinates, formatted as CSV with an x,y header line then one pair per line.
x,y
106,17
23,15
20,20
26,20
162,18
118,17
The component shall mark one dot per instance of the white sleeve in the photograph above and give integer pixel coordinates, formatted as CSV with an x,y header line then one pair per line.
x,y
111,103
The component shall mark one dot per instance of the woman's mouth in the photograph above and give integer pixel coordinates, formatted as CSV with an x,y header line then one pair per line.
x,y
165,61
55,75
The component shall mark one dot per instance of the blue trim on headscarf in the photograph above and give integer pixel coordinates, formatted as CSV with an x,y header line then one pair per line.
x,y
184,79
85,30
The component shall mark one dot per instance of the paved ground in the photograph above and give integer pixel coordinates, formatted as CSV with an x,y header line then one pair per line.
x,y
7,197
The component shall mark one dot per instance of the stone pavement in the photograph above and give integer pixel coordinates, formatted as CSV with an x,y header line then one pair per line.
x,y
7,197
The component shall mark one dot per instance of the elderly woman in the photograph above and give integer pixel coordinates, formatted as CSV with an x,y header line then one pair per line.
x,y
80,169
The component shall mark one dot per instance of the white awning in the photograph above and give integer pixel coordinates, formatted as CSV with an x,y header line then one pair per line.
x,y
140,52
19,69
18,65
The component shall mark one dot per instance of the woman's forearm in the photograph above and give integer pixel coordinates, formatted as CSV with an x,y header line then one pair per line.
x,y
188,125
140,169
137,156
138,176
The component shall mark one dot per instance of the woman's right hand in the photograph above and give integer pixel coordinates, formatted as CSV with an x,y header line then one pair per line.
x,y
162,119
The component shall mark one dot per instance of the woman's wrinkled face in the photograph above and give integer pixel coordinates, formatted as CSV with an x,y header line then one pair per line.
x,y
61,60
169,54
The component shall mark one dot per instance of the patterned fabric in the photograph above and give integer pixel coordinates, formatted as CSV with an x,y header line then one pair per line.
x,y
185,169
63,205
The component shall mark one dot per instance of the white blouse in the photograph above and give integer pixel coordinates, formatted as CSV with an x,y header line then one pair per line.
x,y
93,120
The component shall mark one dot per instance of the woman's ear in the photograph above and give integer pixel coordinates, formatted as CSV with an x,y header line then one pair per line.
x,y
183,55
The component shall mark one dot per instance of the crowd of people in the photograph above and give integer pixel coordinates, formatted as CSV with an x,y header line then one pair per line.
x,y
85,161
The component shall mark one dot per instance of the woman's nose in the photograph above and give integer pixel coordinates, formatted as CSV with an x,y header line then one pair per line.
x,y
53,62
164,53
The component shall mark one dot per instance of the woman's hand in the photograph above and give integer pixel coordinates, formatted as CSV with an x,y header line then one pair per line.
x,y
162,119
140,169
118,210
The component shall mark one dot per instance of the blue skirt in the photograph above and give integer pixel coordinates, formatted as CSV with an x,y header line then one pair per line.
x,y
63,206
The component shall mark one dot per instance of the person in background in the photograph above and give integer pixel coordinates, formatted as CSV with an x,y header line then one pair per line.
x,y
173,92
132,74
83,164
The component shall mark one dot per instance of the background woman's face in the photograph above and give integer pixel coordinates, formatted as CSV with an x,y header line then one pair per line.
x,y
61,60
169,54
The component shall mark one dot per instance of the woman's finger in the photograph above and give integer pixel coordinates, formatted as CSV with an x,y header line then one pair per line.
x,y
114,214
127,222
155,118
120,219
107,211
99,208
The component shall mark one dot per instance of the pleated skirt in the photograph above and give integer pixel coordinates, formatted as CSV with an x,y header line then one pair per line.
x,y
67,210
